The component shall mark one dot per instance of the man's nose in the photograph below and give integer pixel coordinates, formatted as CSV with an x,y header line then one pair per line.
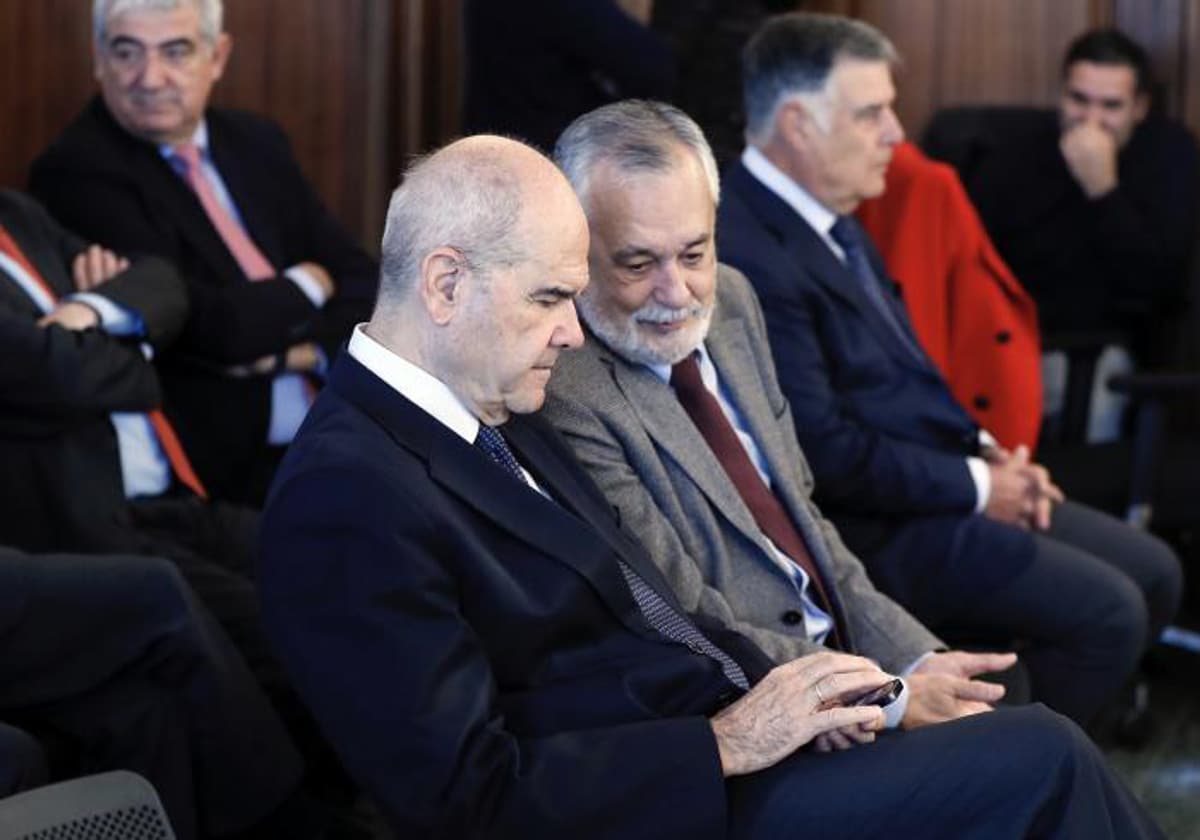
x,y
893,131
154,71
569,334
670,289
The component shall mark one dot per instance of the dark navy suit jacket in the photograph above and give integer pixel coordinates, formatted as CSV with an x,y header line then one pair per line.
x,y
885,438
469,646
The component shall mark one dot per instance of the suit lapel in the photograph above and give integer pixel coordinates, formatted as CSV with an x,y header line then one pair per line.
x,y
669,425
171,198
476,480
34,245
810,255
555,470
241,172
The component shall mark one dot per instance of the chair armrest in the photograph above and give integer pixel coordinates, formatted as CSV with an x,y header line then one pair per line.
x,y
1155,385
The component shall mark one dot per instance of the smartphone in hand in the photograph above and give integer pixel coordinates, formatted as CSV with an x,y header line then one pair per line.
x,y
882,696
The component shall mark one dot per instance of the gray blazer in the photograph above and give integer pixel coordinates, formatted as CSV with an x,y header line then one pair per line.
x,y
643,450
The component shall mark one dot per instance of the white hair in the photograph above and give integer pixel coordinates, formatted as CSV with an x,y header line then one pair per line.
x,y
211,14
637,135
791,58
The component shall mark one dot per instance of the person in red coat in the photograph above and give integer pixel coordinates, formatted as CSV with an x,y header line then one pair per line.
x,y
976,322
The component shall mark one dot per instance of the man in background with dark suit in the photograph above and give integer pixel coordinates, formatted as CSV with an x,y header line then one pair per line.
x,y
275,283
974,540
494,657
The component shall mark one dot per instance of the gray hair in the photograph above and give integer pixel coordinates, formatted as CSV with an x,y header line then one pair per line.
x,y
793,54
469,202
637,135
211,14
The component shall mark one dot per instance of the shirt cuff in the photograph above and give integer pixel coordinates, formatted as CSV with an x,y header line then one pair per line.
x,y
114,319
987,441
982,478
893,713
308,284
916,663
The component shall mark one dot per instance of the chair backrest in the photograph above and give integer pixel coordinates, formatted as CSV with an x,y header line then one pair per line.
x,y
961,135
118,805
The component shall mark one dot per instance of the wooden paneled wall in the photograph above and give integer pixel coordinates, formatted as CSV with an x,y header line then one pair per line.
x,y
357,85
1009,51
360,85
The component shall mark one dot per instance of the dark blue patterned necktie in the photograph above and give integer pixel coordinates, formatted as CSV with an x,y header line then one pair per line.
x,y
845,233
658,613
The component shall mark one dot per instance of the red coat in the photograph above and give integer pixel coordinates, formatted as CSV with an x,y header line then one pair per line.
x,y
972,316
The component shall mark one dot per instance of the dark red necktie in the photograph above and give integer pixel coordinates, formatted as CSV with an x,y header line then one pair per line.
x,y
764,505
167,439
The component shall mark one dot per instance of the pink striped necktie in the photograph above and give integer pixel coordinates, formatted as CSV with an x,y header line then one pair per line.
x,y
253,263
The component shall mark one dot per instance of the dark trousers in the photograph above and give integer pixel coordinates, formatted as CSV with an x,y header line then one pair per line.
x,y
1015,772
215,547
1095,596
114,653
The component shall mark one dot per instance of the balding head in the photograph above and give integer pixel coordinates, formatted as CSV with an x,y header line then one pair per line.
x,y
484,251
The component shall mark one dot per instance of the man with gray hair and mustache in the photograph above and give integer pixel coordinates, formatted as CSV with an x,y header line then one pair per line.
x,y
675,335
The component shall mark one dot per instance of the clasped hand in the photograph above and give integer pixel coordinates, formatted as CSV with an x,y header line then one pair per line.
x,y
1021,492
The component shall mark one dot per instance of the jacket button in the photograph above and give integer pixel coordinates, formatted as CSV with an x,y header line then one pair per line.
x,y
792,618
1003,337
981,402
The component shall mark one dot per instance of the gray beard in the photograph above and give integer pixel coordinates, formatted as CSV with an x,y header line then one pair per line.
x,y
623,337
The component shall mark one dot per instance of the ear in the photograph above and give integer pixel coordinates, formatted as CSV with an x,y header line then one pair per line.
x,y
795,123
443,283
221,50
1141,107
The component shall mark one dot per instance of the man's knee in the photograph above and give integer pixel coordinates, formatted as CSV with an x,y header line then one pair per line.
x,y
158,593
1035,736
1121,622
1163,583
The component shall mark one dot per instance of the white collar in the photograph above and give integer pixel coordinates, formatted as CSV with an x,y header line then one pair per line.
x,y
199,140
663,372
428,392
819,217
